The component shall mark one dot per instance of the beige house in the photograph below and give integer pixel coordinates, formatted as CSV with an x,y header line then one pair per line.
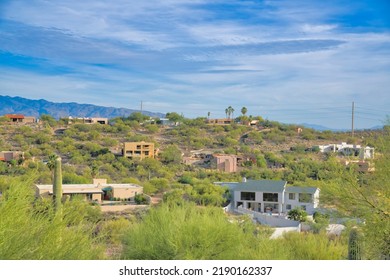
x,y
139,150
98,191
220,121
226,163
88,120
10,155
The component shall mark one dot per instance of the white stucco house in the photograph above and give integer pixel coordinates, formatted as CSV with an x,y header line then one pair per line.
x,y
306,198
271,196
349,150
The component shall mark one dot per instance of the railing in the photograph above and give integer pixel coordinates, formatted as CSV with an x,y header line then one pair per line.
x,y
279,220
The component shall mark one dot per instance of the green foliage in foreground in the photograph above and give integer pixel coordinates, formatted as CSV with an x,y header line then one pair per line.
x,y
188,232
32,232
366,197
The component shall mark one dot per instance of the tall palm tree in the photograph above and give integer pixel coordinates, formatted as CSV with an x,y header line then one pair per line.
x,y
229,111
244,110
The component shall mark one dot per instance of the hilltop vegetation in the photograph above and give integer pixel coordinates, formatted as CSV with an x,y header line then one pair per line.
x,y
273,150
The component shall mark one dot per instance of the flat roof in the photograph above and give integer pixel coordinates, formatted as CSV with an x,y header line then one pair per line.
x,y
310,190
257,185
73,191
14,116
89,187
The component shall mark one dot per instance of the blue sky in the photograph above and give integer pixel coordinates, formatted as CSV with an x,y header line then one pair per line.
x,y
290,61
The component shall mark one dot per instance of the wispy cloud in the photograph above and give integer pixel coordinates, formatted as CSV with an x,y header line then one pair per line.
x,y
198,56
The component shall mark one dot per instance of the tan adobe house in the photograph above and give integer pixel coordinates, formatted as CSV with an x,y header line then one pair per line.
x,y
19,118
98,191
10,155
139,150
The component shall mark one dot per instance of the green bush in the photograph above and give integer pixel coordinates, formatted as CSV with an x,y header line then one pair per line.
x,y
29,234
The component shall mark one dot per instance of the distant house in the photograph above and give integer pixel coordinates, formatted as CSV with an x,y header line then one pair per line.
x,y
226,163
140,150
7,156
19,118
167,122
348,150
87,120
225,121
271,196
98,191
254,122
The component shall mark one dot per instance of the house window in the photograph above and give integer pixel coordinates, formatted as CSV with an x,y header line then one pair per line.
x,y
305,197
270,197
248,196
291,196
288,207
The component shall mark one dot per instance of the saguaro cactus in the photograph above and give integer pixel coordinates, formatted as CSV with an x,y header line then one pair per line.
x,y
57,186
354,245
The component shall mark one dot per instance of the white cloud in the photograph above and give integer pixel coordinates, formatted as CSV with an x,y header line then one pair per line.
x,y
309,28
190,56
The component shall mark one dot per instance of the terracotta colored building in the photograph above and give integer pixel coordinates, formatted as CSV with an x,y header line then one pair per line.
x,y
226,163
10,155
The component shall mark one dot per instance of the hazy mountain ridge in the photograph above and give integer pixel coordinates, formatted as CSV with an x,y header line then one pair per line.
x,y
30,107
323,128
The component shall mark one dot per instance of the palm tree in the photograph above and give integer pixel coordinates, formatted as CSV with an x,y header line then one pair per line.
x,y
229,111
244,110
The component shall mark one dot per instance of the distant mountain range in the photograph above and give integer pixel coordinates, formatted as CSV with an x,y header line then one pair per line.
x,y
323,128
30,107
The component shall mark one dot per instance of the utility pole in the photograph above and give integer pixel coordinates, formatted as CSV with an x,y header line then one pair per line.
x,y
353,116
141,107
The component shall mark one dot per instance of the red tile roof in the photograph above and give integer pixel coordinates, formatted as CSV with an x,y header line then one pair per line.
x,y
14,116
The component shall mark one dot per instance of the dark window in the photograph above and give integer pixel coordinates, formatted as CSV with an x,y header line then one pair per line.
x,y
305,197
273,197
248,196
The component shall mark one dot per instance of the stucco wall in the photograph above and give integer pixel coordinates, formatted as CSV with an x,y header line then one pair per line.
x,y
125,192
